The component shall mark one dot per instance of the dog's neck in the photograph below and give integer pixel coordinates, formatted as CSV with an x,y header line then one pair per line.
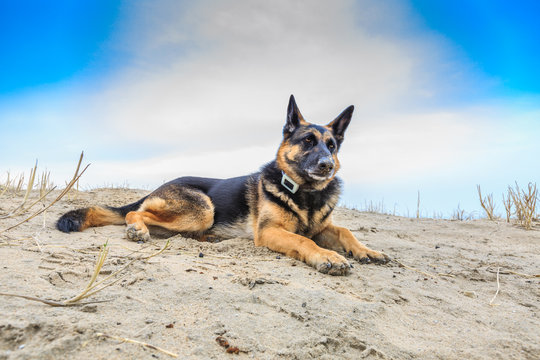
x,y
288,183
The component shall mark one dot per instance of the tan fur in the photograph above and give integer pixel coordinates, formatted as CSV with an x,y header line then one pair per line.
x,y
174,214
279,235
98,216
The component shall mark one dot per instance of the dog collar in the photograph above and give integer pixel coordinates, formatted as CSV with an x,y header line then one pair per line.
x,y
289,183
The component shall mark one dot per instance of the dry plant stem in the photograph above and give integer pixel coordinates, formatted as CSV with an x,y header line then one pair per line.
x,y
19,184
6,185
76,177
516,199
498,287
91,286
44,183
487,203
99,264
508,272
20,209
524,203
153,347
529,201
51,302
507,201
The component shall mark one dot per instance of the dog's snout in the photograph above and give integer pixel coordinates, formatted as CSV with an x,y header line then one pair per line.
x,y
325,165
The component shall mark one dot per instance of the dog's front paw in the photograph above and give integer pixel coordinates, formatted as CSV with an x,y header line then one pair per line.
x,y
330,262
137,235
365,256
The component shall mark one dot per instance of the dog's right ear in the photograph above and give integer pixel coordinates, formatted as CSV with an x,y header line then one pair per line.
x,y
294,117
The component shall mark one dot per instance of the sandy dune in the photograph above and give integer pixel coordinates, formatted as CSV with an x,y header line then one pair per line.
x,y
270,306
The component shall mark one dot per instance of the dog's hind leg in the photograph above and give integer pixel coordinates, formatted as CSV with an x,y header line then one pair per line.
x,y
177,209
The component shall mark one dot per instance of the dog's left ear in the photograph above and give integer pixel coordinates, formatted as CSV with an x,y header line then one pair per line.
x,y
340,124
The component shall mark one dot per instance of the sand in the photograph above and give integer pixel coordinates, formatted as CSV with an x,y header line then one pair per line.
x,y
269,306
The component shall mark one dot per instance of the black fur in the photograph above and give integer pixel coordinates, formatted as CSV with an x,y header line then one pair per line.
x,y
72,220
227,195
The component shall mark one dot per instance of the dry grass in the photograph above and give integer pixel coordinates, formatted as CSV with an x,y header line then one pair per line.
x,y
459,214
524,202
507,201
521,203
75,178
44,184
487,204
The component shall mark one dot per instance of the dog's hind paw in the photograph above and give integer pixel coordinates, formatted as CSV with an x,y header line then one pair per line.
x,y
137,235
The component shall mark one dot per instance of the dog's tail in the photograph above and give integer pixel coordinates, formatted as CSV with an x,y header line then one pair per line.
x,y
80,219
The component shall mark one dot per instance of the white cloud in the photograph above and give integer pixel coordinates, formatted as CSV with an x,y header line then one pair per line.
x,y
236,62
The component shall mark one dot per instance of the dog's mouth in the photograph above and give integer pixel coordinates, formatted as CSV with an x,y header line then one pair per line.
x,y
320,176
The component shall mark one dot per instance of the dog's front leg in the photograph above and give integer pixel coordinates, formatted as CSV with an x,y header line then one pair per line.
x,y
339,237
304,249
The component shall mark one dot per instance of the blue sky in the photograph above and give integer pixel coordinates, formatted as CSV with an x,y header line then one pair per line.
x,y
446,93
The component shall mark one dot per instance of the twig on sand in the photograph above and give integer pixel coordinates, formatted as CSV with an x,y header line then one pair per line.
x,y
150,346
498,287
51,302
510,272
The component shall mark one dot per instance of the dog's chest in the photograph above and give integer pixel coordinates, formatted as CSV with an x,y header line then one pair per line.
x,y
313,214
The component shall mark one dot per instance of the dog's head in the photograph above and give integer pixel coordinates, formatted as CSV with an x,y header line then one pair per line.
x,y
308,152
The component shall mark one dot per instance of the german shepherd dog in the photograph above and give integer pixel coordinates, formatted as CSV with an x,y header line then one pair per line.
x,y
287,204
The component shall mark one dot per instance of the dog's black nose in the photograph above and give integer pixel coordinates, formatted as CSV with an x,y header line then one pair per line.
x,y
325,165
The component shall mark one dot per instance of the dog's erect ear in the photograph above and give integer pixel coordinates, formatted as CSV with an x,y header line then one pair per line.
x,y
340,124
294,117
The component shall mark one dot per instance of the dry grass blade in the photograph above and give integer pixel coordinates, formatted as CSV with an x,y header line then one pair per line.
x,y
524,203
92,286
23,210
507,201
19,184
7,184
20,209
89,290
487,204
45,183
99,264
458,214
516,199
150,346
529,205
50,302
76,177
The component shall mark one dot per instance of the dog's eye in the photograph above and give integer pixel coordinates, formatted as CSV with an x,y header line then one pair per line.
x,y
309,140
331,146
